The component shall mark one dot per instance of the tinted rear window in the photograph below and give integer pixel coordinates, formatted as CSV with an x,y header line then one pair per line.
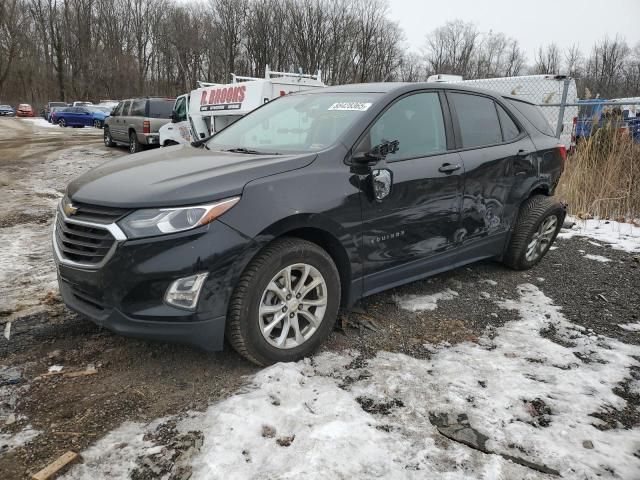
x,y
137,108
160,107
478,120
534,115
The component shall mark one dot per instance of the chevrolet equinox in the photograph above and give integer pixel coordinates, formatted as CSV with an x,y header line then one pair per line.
x,y
309,203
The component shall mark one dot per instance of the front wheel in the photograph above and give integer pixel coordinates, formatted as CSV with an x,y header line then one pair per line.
x,y
108,140
285,304
97,124
538,224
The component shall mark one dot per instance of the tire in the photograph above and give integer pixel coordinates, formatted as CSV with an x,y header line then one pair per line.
x,y
108,140
97,124
62,122
134,144
246,320
539,221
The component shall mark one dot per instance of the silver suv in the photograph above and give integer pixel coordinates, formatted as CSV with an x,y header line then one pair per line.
x,y
135,122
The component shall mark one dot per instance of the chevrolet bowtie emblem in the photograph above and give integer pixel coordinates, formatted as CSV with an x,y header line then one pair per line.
x,y
69,209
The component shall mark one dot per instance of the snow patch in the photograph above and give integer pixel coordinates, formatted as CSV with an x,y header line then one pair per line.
x,y
115,455
621,236
9,442
597,258
416,303
630,327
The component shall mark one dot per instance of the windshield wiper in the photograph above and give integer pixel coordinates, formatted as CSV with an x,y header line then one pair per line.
x,y
248,151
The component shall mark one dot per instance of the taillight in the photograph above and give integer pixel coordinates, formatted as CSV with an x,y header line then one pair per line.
x,y
562,150
146,126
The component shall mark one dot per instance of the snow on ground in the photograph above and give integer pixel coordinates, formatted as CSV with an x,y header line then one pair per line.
x,y
631,327
415,303
40,122
123,445
10,441
621,236
597,258
27,271
346,417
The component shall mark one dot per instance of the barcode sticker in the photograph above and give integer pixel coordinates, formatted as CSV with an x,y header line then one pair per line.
x,y
355,106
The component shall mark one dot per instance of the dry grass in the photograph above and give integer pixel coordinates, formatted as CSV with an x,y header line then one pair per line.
x,y
602,178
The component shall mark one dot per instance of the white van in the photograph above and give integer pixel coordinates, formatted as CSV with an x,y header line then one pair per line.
x,y
539,89
212,107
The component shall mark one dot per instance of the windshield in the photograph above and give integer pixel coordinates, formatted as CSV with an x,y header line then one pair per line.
x,y
295,123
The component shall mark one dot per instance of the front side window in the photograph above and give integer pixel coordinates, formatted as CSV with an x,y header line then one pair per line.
x,y
125,107
117,111
478,120
295,123
416,122
181,109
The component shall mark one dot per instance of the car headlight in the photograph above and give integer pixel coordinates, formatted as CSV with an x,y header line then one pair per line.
x,y
151,222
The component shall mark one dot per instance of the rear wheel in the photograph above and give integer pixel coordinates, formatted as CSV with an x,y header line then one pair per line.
x,y
108,140
285,304
539,221
134,144
62,122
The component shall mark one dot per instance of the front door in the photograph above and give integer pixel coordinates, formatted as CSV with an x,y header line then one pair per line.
x,y
419,216
121,133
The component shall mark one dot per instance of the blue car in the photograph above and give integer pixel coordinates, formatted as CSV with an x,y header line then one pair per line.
x,y
593,114
7,111
74,117
99,115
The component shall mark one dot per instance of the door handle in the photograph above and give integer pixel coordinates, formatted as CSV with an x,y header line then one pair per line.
x,y
449,167
523,153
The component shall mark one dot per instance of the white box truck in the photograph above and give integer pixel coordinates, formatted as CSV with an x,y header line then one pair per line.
x,y
539,89
212,107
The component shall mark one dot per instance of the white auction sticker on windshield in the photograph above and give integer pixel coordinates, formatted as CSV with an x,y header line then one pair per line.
x,y
355,106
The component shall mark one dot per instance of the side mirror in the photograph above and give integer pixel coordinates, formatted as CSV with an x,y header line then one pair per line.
x,y
377,153
175,118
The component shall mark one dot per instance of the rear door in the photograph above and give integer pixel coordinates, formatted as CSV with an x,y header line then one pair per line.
x,y
121,134
497,155
419,216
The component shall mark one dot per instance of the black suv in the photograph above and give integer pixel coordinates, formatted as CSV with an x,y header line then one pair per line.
x,y
309,203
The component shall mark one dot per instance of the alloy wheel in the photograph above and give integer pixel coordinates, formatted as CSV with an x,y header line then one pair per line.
x,y
292,306
541,239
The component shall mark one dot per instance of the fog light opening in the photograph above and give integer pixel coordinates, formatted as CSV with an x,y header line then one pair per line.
x,y
184,292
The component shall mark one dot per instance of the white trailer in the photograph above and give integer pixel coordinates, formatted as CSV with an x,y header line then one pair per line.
x,y
212,107
542,90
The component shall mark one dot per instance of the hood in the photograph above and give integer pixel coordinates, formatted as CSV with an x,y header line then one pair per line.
x,y
100,115
175,176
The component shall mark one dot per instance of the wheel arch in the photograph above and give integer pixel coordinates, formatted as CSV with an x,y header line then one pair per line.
x,y
321,231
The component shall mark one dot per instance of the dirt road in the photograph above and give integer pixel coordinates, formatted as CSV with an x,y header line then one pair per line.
x,y
42,417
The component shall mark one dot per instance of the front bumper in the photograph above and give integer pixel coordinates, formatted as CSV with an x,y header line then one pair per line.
x,y
125,294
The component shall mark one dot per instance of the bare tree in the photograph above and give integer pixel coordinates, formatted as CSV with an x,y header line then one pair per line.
x,y
547,60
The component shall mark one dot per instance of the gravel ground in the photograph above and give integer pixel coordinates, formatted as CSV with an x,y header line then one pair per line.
x,y
143,381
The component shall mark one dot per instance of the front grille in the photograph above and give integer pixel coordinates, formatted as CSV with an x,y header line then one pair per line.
x,y
81,243
97,214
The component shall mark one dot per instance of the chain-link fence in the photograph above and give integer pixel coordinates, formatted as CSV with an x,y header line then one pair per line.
x,y
571,118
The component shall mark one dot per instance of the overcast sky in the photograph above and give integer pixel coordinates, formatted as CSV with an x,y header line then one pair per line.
x,y
532,22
